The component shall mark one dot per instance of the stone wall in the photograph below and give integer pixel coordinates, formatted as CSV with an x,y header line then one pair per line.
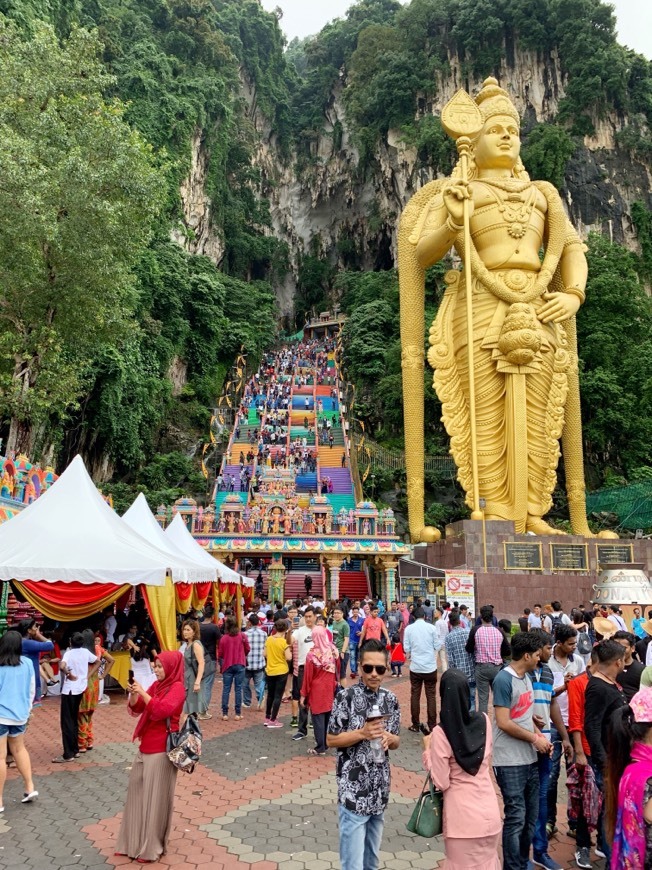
x,y
512,590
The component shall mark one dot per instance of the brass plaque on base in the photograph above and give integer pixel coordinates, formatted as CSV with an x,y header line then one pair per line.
x,y
569,557
523,557
614,553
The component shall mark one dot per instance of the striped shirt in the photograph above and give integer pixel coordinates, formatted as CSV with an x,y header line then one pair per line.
x,y
542,682
256,657
458,657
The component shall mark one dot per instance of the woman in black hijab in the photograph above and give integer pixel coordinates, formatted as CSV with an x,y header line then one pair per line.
x,y
458,756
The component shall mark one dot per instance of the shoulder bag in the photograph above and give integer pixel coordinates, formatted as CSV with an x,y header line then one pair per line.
x,y
426,818
183,747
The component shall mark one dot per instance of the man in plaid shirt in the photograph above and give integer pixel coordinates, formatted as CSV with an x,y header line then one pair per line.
x,y
456,653
488,647
255,667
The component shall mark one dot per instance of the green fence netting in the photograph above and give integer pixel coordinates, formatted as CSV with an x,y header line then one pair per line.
x,y
632,504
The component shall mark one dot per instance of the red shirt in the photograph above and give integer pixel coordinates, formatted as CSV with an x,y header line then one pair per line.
x,y
160,709
398,654
233,650
318,687
576,689
373,628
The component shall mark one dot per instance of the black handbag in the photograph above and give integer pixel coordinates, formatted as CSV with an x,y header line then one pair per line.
x,y
183,747
426,818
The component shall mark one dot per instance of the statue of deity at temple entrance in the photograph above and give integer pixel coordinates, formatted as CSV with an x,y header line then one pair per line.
x,y
503,344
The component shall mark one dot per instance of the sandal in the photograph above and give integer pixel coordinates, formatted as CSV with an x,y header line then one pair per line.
x,y
315,752
225,718
414,729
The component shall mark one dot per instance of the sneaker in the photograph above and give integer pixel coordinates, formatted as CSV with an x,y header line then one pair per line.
x,y
205,715
583,859
274,723
572,832
299,736
599,853
310,725
544,860
247,706
294,722
266,723
551,830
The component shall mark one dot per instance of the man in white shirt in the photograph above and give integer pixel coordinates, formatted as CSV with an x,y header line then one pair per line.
x,y
74,667
565,664
534,619
421,641
616,618
110,625
301,645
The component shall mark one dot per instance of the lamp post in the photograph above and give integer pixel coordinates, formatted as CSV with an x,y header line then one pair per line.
x,y
373,487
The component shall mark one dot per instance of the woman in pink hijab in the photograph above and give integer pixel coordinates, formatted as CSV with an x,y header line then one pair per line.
x,y
320,678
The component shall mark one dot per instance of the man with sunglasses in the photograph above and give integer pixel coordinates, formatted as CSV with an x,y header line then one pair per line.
x,y
363,784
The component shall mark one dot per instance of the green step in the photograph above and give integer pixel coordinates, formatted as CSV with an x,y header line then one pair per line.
x,y
220,498
252,419
340,501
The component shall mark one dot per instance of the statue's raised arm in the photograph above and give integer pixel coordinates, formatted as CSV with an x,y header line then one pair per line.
x,y
503,344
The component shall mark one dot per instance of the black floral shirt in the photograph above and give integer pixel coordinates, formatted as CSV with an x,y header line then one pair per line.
x,y
362,785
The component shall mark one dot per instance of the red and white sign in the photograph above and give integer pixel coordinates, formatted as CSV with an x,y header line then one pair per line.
x,y
460,587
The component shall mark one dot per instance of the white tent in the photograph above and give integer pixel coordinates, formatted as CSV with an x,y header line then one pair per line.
x,y
71,534
184,568
178,532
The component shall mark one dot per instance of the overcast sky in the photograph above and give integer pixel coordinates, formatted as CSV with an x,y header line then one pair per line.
x,y
305,17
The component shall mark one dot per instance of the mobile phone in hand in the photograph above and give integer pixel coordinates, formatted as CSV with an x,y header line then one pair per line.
x,y
131,677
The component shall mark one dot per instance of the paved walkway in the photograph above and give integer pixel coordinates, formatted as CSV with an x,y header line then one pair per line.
x,y
258,802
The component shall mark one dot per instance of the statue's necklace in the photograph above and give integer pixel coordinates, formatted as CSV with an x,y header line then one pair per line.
x,y
515,208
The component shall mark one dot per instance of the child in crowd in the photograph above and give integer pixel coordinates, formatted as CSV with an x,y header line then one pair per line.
x,y
397,656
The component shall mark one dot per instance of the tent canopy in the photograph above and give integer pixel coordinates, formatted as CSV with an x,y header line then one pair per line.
x,y
71,534
184,568
178,532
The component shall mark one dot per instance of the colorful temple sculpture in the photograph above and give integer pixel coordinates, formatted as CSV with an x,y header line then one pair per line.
x,y
287,502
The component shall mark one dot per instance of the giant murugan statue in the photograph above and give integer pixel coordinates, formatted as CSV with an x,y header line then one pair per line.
x,y
503,344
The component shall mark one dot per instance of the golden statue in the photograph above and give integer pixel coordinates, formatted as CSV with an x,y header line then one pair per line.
x,y
508,310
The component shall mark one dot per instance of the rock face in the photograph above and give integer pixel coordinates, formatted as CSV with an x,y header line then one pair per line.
x,y
329,205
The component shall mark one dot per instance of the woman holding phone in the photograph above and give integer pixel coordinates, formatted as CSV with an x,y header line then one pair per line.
x,y
147,816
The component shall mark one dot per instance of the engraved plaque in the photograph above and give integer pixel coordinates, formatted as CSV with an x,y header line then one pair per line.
x,y
614,553
523,557
569,557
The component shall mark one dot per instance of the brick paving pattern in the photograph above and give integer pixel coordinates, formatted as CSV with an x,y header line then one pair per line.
x,y
257,802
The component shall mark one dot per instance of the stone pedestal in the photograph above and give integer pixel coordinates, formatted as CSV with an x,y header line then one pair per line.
x,y
486,548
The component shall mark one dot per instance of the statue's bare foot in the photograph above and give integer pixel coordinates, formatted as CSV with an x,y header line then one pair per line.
x,y
612,536
428,535
540,527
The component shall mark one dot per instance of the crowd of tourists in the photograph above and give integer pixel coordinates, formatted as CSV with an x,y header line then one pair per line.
x,y
574,687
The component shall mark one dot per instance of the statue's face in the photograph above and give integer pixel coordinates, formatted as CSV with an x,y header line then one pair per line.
x,y
499,144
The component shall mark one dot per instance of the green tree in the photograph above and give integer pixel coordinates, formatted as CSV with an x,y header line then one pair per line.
x,y
79,195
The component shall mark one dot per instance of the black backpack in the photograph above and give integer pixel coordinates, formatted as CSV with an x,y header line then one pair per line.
x,y
556,621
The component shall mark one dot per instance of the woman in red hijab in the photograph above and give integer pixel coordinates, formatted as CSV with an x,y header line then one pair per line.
x,y
320,679
147,817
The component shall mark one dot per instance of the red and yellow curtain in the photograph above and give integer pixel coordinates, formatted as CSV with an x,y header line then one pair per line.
x,y
160,602
200,593
183,596
68,602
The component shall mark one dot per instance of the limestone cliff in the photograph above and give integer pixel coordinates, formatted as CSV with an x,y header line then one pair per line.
x,y
318,202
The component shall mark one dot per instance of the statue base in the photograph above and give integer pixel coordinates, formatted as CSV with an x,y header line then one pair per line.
x,y
516,571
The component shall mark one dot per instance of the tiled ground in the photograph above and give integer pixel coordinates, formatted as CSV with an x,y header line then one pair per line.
x,y
258,802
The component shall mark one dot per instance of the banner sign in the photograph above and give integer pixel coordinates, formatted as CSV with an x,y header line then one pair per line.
x,y
460,587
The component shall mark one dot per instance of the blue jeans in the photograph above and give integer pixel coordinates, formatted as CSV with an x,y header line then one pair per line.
x,y
233,674
259,685
353,658
472,688
603,843
540,839
206,686
519,786
555,767
360,839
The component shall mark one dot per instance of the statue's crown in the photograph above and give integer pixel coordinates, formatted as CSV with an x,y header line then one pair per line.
x,y
494,100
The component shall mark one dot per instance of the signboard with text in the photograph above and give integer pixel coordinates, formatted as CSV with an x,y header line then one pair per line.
x,y
460,587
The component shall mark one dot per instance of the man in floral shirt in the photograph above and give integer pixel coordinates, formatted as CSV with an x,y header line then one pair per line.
x,y
363,785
